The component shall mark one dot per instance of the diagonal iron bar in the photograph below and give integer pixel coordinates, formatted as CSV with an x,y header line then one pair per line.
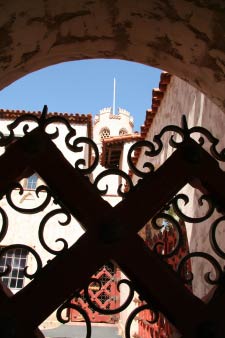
x,y
11,174
123,214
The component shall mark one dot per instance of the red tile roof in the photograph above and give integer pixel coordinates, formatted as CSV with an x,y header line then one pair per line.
x,y
157,96
121,139
73,118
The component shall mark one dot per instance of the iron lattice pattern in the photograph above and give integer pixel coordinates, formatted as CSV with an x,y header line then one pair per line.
x,y
111,232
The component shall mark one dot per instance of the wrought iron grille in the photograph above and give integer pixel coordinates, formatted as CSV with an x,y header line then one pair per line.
x,y
111,232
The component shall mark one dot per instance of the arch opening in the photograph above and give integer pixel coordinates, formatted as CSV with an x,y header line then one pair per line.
x,y
185,39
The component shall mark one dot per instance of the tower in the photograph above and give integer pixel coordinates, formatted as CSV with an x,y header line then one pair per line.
x,y
111,128
106,124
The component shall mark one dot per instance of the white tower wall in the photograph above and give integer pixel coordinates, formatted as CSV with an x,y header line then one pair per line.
x,y
115,123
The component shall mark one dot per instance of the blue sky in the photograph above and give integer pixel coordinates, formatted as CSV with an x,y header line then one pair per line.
x,y
85,87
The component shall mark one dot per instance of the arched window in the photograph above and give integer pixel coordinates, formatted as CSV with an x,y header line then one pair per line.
x,y
104,133
16,259
122,132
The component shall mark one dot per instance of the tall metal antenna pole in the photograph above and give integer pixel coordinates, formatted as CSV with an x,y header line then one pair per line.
x,y
114,95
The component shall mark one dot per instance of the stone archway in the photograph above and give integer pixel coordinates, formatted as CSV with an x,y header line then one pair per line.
x,y
184,37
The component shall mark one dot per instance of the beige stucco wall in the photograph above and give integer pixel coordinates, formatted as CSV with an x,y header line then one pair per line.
x,y
181,98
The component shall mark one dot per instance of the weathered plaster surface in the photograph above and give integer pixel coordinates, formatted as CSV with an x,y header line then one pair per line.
x,y
186,38
181,98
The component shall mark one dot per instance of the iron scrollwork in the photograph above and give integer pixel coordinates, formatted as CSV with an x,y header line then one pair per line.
x,y
40,189
185,199
118,172
5,140
82,162
212,236
151,152
43,223
167,221
135,312
75,146
189,276
184,133
45,122
218,155
68,305
5,222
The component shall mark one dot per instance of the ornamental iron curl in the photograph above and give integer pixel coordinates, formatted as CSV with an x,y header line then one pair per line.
x,y
68,305
6,140
185,199
135,312
44,122
184,134
167,222
220,156
187,278
5,223
212,237
43,223
117,172
152,152
76,148
21,191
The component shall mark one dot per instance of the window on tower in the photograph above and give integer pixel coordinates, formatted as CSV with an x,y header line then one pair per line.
x,y
104,133
123,131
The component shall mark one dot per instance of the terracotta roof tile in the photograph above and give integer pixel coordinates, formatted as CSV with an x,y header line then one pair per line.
x,y
78,118
157,96
73,118
122,139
